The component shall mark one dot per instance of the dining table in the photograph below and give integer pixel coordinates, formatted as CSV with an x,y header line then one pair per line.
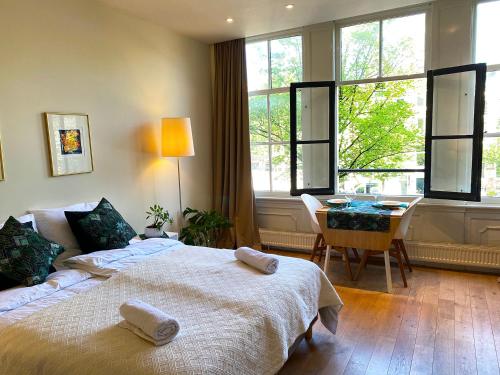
x,y
361,225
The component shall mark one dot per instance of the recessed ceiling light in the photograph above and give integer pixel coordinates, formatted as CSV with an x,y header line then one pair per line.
x,y
229,20
289,6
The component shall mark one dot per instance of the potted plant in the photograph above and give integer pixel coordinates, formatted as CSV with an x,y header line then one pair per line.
x,y
160,217
203,228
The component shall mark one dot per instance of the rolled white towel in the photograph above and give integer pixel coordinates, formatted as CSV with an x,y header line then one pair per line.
x,y
148,322
257,259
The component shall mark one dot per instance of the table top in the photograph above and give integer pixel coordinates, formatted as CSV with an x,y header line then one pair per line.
x,y
397,213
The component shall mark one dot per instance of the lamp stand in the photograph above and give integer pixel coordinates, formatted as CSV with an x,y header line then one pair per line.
x,y
180,192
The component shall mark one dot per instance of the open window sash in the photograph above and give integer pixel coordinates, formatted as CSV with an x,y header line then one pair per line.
x,y
312,137
454,132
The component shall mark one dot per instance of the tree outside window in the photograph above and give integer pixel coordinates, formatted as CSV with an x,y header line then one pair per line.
x,y
272,65
381,120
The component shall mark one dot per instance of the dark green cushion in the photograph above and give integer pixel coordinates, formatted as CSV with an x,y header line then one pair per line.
x,y
100,229
83,240
25,256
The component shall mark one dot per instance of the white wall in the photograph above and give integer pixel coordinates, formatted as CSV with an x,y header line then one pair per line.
x,y
81,56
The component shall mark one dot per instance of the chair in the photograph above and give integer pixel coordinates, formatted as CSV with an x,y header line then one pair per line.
x,y
398,242
312,204
400,234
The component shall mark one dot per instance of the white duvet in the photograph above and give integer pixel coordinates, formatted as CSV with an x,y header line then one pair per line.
x,y
234,320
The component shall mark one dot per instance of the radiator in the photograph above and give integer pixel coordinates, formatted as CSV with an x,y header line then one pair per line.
x,y
454,254
421,252
287,240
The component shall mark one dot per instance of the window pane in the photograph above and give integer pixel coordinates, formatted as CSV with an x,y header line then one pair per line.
x,y
281,167
280,117
286,61
258,118
451,168
313,113
260,167
490,183
488,29
313,167
382,125
257,66
454,99
492,110
382,183
403,46
360,51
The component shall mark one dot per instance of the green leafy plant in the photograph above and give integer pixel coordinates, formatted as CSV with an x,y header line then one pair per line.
x,y
159,215
204,228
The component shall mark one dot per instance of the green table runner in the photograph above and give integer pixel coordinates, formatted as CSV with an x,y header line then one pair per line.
x,y
361,215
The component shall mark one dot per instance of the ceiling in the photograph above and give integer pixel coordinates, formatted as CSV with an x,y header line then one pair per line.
x,y
205,20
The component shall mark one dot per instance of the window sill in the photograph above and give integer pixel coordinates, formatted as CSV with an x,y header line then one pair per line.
x,y
488,203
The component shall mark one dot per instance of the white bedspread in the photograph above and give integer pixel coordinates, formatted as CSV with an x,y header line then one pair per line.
x,y
234,319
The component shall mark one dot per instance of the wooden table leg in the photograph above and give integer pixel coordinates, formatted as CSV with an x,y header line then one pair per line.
x,y
387,262
327,258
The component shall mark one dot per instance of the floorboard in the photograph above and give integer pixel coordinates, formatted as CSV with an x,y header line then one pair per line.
x,y
445,322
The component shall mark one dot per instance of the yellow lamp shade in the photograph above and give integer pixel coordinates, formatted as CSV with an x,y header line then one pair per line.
x,y
176,137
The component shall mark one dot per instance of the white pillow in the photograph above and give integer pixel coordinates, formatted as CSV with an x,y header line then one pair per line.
x,y
25,219
52,224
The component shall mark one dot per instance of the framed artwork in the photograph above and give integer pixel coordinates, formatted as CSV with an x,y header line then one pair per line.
x,y
2,173
69,143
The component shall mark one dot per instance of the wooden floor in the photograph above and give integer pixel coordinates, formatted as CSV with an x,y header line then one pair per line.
x,y
445,322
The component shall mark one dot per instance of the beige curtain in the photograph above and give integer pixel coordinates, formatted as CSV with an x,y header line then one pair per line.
x,y
232,176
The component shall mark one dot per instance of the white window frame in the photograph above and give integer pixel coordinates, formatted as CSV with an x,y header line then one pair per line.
x,y
268,92
380,17
490,68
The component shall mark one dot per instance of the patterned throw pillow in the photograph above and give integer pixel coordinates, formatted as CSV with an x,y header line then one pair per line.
x,y
103,229
25,256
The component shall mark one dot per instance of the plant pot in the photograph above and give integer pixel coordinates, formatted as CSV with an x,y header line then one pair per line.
x,y
153,232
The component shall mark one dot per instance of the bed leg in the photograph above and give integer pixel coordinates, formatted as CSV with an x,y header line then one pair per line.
x,y
309,333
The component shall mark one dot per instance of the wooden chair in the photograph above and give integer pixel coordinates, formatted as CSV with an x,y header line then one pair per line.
x,y
312,204
398,242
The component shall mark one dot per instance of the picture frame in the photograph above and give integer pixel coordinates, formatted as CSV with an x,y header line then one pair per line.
x,y
2,170
69,143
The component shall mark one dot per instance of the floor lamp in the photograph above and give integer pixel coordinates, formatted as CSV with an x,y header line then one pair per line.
x,y
177,141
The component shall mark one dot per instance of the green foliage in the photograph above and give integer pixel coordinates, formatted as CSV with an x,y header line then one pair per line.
x,y
286,61
491,155
204,228
374,129
160,216
491,159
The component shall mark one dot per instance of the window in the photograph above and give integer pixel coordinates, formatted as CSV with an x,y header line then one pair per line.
x,y
312,124
486,51
381,105
271,66
454,134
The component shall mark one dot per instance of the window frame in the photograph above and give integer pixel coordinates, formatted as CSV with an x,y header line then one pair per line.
x,y
476,136
380,17
489,68
331,141
268,38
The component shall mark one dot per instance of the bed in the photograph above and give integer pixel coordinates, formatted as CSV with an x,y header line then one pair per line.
x,y
234,319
